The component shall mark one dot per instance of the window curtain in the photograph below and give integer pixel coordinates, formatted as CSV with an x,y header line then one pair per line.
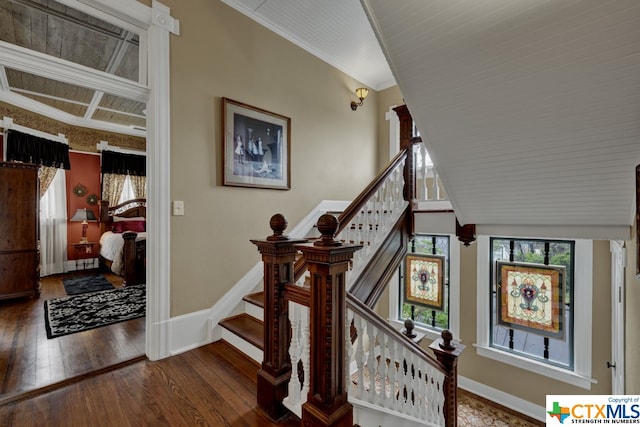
x,y
27,148
53,226
119,167
139,185
46,175
123,164
112,187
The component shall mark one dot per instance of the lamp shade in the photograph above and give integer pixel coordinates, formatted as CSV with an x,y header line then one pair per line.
x,y
362,93
84,214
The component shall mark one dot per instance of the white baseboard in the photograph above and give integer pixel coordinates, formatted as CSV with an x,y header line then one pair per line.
x,y
520,405
189,331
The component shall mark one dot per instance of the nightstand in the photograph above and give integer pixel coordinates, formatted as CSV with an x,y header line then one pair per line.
x,y
85,251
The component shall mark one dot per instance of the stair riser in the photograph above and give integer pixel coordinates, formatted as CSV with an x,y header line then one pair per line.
x,y
254,311
242,345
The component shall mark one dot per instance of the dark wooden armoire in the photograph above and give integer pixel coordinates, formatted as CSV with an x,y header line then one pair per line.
x,y
19,246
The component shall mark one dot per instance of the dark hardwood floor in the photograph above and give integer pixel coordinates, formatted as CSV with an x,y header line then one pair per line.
x,y
29,361
213,385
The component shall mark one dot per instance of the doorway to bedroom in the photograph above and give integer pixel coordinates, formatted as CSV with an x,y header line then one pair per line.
x,y
28,358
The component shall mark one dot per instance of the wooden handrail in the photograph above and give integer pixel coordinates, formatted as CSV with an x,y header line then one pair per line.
x,y
370,316
298,294
358,203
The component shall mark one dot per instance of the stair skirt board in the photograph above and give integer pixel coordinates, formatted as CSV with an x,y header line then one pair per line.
x,y
242,345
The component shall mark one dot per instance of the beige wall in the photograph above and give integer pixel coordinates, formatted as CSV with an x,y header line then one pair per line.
x,y
222,53
632,321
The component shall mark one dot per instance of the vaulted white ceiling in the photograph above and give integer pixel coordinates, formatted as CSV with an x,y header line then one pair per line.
x,y
336,31
530,109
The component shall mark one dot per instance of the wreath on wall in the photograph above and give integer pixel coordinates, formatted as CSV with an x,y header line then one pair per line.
x,y
92,199
80,190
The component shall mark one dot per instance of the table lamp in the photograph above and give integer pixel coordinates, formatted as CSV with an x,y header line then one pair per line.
x,y
84,215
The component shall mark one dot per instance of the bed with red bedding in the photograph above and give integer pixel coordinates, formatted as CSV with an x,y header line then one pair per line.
x,y
123,239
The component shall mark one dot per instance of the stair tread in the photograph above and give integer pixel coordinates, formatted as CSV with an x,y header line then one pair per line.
x,y
247,327
256,298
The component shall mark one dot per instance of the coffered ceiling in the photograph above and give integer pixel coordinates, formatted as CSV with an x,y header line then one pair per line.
x,y
51,28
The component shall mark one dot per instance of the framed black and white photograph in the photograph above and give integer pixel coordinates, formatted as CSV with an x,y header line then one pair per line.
x,y
256,147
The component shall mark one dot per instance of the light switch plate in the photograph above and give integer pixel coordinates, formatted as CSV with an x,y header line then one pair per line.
x,y
178,208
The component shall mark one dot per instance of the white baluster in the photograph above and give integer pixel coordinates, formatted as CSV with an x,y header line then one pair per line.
x,y
436,185
348,350
384,356
360,357
371,363
293,399
394,381
424,168
412,394
306,349
381,363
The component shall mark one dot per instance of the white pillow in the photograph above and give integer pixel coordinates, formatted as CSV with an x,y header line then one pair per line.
x,y
124,218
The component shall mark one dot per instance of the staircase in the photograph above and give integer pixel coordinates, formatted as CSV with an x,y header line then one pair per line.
x,y
303,347
245,331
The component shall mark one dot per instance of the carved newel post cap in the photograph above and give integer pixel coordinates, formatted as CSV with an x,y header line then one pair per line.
x,y
408,328
327,225
447,338
278,224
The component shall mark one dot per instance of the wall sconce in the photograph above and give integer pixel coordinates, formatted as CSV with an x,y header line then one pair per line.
x,y
84,215
361,93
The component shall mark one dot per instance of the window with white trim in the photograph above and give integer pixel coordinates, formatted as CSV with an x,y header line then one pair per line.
x,y
396,293
424,315
568,359
531,298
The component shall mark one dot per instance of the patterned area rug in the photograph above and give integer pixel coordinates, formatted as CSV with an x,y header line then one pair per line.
x,y
474,411
84,284
77,313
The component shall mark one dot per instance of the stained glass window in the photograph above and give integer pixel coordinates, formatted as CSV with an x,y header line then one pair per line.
x,y
423,291
531,298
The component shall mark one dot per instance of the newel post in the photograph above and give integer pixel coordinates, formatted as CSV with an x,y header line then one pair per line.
x,y
447,353
408,141
278,255
328,261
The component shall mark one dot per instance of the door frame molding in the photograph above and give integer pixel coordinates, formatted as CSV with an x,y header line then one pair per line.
x,y
618,263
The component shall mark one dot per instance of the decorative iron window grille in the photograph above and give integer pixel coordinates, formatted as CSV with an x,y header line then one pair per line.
x,y
422,314
517,307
